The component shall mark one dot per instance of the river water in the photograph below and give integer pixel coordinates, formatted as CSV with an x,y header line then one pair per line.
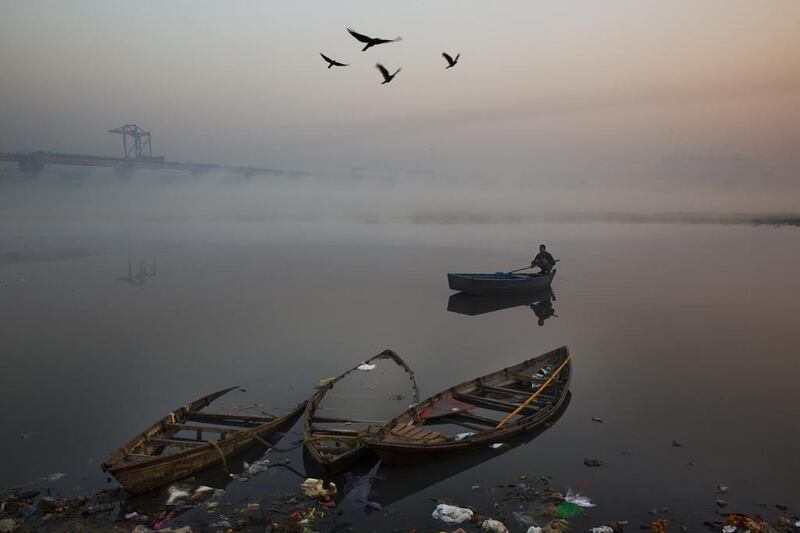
x,y
681,334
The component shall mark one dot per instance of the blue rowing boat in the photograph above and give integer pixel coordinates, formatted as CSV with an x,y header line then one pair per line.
x,y
499,282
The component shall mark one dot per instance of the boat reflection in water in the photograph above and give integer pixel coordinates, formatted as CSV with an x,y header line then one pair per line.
x,y
540,302
382,486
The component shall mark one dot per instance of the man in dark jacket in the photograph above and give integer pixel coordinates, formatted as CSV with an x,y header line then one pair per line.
x,y
544,260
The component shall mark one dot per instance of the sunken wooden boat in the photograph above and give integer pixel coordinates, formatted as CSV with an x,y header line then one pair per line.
x,y
337,442
188,440
499,282
478,413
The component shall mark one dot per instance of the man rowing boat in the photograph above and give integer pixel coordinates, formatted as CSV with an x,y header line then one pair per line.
x,y
544,260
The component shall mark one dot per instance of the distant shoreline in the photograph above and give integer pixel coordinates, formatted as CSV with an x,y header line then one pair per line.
x,y
775,220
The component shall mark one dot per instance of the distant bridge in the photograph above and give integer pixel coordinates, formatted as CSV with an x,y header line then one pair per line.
x,y
34,162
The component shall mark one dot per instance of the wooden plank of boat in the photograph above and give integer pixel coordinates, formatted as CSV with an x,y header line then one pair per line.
x,y
334,448
411,437
499,283
158,456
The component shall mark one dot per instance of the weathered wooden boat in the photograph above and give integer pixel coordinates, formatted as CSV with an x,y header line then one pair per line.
x,y
528,394
499,282
174,447
337,442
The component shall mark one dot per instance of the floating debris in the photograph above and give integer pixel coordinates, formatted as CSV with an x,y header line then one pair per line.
x,y
721,489
578,499
493,526
451,514
366,367
598,420
588,461
315,488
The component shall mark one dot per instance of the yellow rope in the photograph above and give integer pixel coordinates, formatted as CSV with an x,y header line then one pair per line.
x,y
535,394
222,456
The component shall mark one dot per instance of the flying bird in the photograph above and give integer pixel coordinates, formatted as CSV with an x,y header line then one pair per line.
x,y
450,61
386,76
331,62
371,41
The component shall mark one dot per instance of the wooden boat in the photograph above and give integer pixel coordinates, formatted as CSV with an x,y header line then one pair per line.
x,y
174,447
499,282
336,443
526,395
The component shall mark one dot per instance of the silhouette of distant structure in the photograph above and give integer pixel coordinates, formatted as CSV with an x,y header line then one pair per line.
x,y
140,277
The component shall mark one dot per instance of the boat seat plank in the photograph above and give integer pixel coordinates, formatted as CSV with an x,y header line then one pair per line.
x,y
472,417
334,431
220,418
176,442
201,429
329,419
505,390
498,405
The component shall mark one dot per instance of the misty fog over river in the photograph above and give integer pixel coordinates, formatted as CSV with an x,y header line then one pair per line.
x,y
677,333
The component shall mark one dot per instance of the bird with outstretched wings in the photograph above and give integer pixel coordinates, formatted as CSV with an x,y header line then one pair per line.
x,y
370,41
331,62
386,76
451,61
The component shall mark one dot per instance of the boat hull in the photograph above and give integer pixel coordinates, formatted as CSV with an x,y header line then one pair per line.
x,y
499,283
397,446
141,473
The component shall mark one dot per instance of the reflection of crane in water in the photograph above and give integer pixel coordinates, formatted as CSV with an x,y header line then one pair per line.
x,y
138,279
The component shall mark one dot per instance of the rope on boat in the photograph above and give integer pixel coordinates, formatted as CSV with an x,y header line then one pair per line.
x,y
222,456
535,394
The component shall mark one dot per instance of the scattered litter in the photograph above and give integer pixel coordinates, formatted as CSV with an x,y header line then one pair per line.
x,y
177,494
494,526
598,420
461,436
728,528
578,499
315,488
222,524
54,477
159,524
676,444
452,514
253,506
366,367
722,489
534,529
568,510
797,524
476,487
135,516
721,503
588,461
496,445
7,525
325,381
523,518
24,436
602,529
659,526
255,468
782,507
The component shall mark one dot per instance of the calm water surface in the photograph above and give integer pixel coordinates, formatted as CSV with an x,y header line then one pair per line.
x,y
679,333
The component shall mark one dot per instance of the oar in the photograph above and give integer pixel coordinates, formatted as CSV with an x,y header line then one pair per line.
x,y
535,394
523,268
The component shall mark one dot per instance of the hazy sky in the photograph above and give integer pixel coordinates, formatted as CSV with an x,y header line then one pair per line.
x,y
546,92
